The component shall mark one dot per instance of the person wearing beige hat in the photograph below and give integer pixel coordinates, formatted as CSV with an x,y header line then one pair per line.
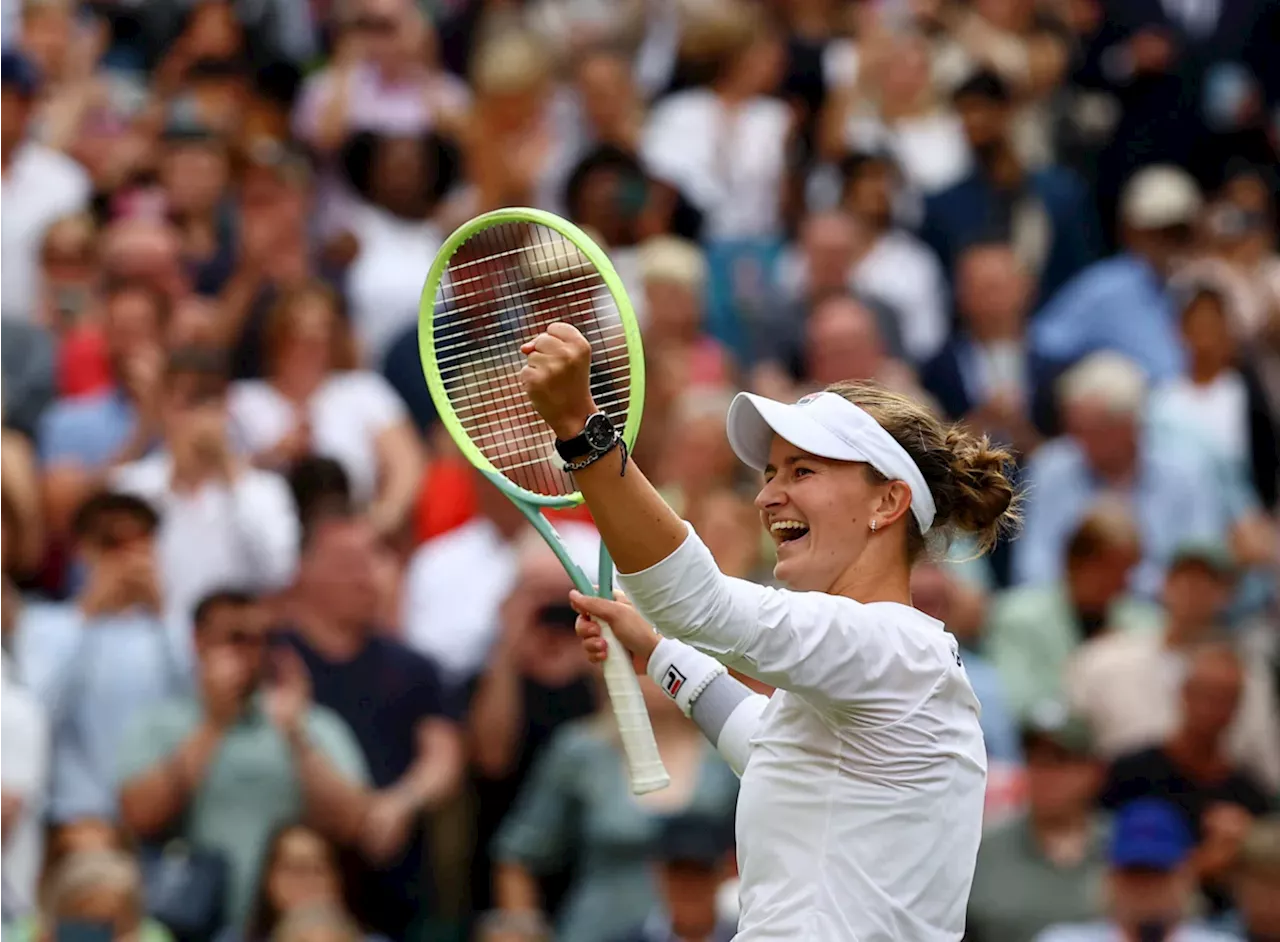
x,y
1121,303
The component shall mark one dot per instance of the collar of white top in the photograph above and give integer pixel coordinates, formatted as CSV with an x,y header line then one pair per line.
x,y
829,426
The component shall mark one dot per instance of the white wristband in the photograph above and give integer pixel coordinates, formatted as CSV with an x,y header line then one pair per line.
x,y
682,672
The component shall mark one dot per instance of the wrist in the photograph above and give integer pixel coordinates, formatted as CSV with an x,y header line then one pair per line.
x,y
574,424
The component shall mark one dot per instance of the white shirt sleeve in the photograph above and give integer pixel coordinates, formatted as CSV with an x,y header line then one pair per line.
x,y
884,662
380,405
266,522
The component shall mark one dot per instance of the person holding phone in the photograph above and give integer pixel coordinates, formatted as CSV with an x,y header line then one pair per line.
x,y
101,658
223,522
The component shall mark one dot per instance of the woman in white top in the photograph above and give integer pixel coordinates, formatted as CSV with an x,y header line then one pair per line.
x,y
314,401
863,775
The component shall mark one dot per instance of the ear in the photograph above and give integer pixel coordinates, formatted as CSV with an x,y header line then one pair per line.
x,y
894,503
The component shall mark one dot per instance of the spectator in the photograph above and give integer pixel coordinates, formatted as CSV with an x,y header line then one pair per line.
x,y
1150,884
728,522
1122,303
40,187
314,400
695,460
893,266
395,703
382,79
575,811
1171,491
1257,882
402,184
1192,770
194,176
735,118
536,681
300,870
28,373
818,268
674,275
1042,867
1041,212
886,100
1241,254
1034,630
691,857
24,516
99,888
984,374
842,341
962,608
81,440
317,924
454,584
222,769
24,773
222,522
1221,399
1128,684
101,660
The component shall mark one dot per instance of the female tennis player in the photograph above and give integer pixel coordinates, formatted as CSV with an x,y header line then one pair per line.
x,y
863,775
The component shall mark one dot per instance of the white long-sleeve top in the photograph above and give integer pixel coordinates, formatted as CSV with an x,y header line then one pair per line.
x,y
860,808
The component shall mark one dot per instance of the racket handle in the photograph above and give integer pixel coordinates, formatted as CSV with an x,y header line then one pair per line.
x,y
647,771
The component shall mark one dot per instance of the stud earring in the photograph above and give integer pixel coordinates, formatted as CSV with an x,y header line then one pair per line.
x,y
873,526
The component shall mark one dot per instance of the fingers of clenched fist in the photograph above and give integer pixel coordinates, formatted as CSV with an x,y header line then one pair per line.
x,y
557,377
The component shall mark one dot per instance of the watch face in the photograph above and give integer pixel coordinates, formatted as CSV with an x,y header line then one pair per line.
x,y
599,432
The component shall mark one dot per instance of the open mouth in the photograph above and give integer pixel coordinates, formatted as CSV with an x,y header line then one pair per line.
x,y
788,531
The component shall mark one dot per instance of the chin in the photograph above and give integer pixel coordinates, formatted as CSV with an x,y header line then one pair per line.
x,y
793,576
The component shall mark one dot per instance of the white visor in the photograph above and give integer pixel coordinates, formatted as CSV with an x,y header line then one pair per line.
x,y
828,426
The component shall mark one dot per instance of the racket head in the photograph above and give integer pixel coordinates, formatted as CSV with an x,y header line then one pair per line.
x,y
496,283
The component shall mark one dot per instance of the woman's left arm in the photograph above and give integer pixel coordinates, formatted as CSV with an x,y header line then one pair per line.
x,y
400,467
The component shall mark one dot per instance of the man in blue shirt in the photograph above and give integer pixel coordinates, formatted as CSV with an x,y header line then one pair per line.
x,y
100,660
1121,303
1047,213
1174,494
81,439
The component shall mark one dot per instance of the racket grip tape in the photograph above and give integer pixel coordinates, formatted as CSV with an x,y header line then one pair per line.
x,y
647,772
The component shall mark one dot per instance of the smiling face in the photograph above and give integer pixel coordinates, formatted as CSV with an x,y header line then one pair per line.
x,y
818,513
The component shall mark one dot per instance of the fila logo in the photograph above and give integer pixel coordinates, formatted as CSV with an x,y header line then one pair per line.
x,y
672,681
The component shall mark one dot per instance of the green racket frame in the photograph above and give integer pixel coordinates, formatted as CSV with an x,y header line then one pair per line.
x,y
647,773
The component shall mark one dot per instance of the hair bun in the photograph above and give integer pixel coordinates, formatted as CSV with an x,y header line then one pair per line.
x,y
985,501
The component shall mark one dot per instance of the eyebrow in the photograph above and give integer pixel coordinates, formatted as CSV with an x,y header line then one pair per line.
x,y
791,460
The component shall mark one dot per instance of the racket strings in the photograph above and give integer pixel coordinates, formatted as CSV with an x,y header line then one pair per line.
x,y
503,287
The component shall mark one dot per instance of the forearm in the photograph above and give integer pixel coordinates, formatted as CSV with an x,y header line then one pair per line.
x,y
436,775
150,802
496,718
515,889
634,521
335,805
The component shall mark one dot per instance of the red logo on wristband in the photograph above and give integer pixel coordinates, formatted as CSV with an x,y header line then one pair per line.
x,y
672,681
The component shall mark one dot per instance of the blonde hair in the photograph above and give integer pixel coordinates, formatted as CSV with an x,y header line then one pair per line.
x,y
510,62
1106,377
90,871
967,475
674,261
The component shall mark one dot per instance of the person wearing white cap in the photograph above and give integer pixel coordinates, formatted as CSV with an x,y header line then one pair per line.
x,y
1121,303
863,775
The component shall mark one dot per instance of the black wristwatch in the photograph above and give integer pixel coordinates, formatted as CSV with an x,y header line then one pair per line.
x,y
597,438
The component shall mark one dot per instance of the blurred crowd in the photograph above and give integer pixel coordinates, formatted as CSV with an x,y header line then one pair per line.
x,y
279,666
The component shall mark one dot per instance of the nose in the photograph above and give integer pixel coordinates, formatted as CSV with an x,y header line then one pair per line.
x,y
771,495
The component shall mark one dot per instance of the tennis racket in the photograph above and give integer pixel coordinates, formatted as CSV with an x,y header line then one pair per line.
x,y
496,283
